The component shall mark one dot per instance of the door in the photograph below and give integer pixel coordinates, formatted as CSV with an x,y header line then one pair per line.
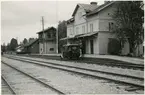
x,y
83,47
92,46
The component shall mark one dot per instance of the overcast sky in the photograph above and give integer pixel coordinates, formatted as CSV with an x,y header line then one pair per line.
x,y
22,19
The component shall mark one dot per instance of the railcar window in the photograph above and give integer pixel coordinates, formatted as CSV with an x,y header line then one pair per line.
x,y
51,49
74,48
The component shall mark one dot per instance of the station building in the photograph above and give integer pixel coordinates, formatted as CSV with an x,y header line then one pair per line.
x,y
47,41
91,25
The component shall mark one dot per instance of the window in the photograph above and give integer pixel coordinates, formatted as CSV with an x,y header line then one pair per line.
x,y
111,26
91,27
51,49
70,31
50,35
80,14
77,30
40,36
83,29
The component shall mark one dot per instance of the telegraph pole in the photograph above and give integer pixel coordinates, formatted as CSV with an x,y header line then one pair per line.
x,y
57,40
43,36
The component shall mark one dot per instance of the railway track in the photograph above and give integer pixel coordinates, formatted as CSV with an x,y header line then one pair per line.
x,y
7,85
118,78
46,86
108,62
69,66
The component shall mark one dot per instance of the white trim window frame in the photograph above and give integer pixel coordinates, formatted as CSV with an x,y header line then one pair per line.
x,y
77,30
91,27
83,29
111,25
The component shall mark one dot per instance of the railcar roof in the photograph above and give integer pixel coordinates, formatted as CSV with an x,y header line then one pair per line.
x,y
71,45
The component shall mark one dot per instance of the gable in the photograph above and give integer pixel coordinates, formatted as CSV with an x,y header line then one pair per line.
x,y
86,7
47,30
75,10
100,8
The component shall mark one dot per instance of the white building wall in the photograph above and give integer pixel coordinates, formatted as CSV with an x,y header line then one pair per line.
x,y
95,21
107,13
105,17
79,19
139,50
103,38
45,48
100,23
49,46
125,49
70,30
96,45
104,24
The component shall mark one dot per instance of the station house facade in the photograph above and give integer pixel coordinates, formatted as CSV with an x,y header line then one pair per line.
x,y
90,26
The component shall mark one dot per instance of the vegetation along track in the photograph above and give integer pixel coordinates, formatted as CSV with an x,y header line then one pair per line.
x,y
119,78
9,86
38,80
99,61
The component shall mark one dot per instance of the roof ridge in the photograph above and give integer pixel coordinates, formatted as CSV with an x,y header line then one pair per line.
x,y
101,7
46,29
84,3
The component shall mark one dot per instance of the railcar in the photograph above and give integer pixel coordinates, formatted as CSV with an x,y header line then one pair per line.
x,y
1,52
71,51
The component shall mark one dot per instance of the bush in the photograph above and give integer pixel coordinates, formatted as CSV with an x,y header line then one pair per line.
x,y
114,46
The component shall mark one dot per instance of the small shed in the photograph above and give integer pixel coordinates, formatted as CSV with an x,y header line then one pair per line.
x,y
32,47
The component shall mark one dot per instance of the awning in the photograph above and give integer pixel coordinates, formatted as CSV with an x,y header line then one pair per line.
x,y
86,34
80,36
66,38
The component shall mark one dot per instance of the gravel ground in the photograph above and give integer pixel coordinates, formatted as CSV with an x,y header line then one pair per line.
x,y
129,80
4,88
23,84
72,83
118,70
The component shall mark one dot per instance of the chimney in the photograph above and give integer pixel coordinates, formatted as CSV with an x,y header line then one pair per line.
x,y
93,3
106,1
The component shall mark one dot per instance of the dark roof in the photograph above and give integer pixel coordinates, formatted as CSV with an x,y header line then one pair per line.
x,y
70,20
86,7
101,7
46,30
20,46
30,43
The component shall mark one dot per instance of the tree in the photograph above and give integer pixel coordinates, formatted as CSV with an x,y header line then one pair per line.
x,y
62,29
129,23
25,41
114,46
3,47
31,39
13,44
8,47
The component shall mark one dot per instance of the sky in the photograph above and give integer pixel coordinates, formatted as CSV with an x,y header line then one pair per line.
x,y
22,19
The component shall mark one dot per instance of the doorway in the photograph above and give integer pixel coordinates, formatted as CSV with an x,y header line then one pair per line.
x,y
83,47
92,46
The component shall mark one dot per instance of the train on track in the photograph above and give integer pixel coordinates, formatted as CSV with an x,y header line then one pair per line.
x,y
71,51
